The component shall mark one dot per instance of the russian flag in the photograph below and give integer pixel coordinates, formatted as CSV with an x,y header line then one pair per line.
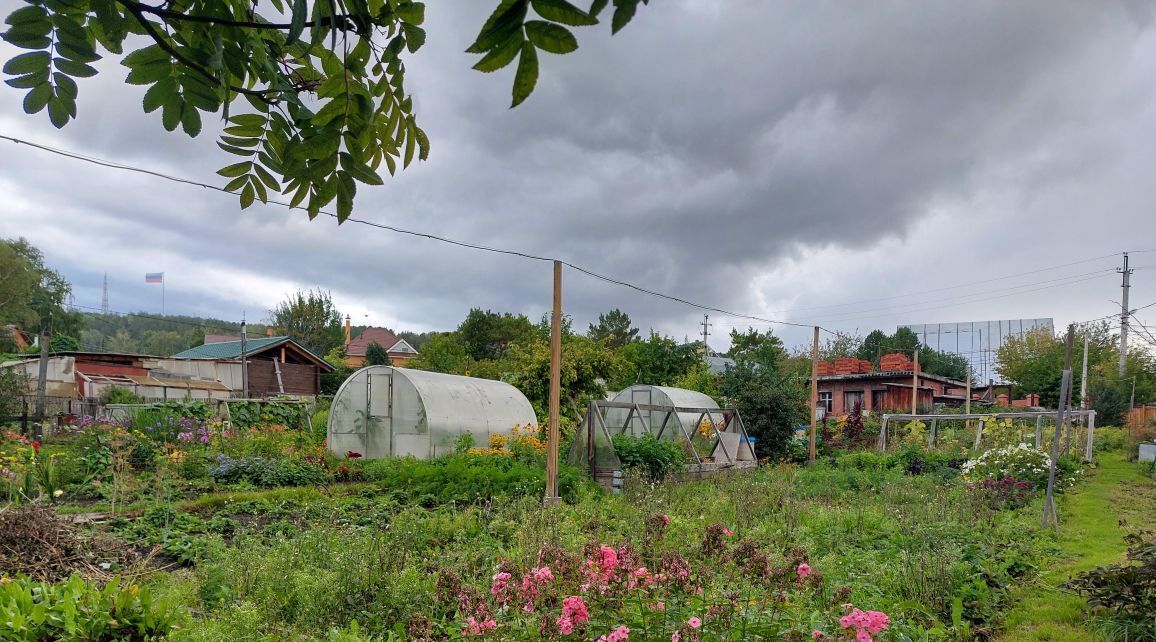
x,y
155,277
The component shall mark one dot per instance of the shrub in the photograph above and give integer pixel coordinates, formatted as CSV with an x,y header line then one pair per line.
x,y
79,610
1003,494
119,394
465,478
264,471
1125,593
654,457
1022,462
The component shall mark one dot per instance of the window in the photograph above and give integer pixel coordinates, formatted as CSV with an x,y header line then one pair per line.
x,y
878,400
826,401
850,398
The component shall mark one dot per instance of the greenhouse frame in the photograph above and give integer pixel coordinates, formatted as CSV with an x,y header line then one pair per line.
x,y
666,413
383,411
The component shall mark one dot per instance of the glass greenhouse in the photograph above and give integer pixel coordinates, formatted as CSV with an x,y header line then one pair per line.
x,y
651,420
382,411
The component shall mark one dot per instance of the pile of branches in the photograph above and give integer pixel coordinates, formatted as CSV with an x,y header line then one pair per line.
x,y
37,542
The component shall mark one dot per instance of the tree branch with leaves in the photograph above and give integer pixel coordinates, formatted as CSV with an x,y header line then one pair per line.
x,y
323,82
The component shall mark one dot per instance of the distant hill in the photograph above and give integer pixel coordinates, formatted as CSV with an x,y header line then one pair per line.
x,y
155,334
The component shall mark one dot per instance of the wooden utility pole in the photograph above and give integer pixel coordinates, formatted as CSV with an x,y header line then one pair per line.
x,y
814,394
1050,516
967,399
552,498
42,378
915,385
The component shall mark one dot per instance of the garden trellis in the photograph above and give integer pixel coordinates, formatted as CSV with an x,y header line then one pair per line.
x,y
981,419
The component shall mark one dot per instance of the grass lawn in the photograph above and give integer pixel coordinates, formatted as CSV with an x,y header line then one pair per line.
x,y
1117,499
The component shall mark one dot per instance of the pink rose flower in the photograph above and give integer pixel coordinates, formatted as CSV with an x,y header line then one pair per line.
x,y
804,571
694,623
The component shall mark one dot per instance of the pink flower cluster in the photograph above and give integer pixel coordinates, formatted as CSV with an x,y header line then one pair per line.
x,y
865,623
804,571
474,626
621,634
574,613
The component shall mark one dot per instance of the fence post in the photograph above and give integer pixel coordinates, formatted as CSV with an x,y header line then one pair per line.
x,y
931,437
1039,430
1091,421
883,434
979,433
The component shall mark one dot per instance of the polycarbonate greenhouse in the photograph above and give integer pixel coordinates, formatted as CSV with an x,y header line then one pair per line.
x,y
382,411
659,396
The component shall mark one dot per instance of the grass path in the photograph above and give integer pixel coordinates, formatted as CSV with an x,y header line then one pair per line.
x,y
1117,498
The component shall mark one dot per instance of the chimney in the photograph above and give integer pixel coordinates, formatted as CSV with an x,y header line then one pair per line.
x,y
347,331
269,331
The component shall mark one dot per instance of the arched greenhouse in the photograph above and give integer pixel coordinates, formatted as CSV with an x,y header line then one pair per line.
x,y
382,411
644,395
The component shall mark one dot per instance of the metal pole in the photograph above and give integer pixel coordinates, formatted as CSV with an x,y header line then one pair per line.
x,y
1050,515
814,393
552,497
1084,375
1091,420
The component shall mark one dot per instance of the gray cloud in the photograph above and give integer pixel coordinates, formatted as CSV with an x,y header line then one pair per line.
x,y
752,155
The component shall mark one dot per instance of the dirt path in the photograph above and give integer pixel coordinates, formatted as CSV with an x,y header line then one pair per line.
x,y
1117,498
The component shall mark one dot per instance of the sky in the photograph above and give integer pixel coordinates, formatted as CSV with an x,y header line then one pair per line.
x,y
845,164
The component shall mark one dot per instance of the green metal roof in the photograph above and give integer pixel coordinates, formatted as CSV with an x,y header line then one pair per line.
x,y
229,349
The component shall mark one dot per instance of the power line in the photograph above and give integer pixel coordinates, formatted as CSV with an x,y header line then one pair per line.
x,y
399,230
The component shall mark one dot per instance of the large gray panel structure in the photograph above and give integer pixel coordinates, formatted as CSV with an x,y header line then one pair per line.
x,y
977,341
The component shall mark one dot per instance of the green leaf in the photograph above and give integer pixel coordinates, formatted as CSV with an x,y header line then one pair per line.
x,y
297,24
236,183
410,142
359,171
27,15
563,12
346,190
36,99
29,81
236,169
159,93
501,55
234,150
65,86
596,7
77,69
171,114
247,195
550,37
28,62
58,113
506,18
262,193
149,55
249,120
412,12
623,14
414,36
27,41
149,74
85,54
527,74
331,110
266,177
422,143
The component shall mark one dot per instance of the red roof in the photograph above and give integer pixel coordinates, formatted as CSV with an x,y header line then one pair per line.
x,y
383,337
221,338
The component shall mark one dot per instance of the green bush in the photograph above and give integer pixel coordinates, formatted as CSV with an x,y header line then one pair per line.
x,y
265,471
1125,593
75,609
465,478
119,394
654,457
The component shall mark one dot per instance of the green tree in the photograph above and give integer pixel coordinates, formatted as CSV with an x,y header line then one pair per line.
x,y
375,355
874,346
33,295
614,328
324,82
488,334
771,405
331,381
586,367
656,361
311,319
759,349
444,352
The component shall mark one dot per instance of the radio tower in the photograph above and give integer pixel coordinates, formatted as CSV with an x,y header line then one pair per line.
x,y
104,297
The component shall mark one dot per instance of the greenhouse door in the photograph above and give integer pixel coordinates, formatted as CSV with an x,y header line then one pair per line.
x,y
379,435
641,424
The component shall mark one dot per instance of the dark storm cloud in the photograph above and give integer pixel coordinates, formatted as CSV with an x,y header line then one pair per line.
x,y
692,153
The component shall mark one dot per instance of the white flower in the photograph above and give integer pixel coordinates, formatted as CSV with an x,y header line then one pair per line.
x,y
58,493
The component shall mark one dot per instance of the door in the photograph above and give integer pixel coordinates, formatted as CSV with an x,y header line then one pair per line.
x,y
379,427
641,420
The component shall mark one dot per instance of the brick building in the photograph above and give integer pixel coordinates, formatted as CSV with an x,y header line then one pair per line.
x,y
848,381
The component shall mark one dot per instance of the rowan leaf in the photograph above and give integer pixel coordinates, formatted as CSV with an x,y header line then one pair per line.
x,y
35,100
501,55
563,12
527,75
550,37
27,63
